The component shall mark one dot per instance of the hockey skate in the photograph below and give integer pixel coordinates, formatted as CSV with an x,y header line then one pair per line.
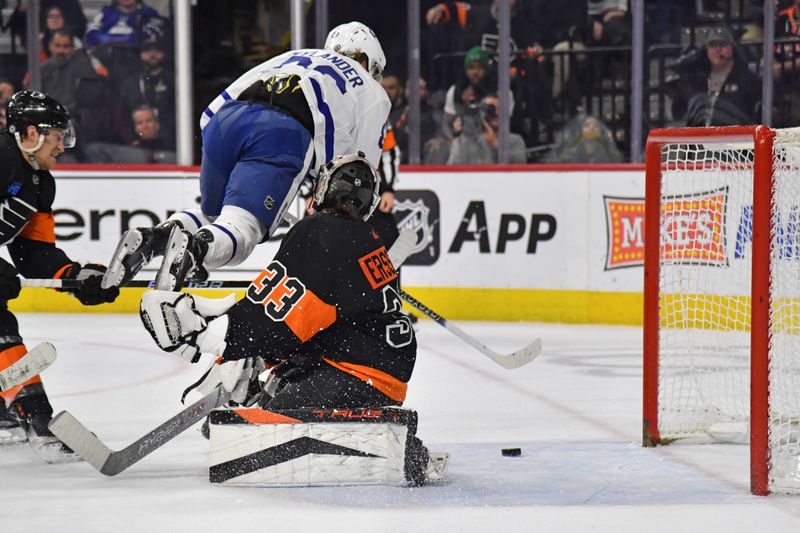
x,y
183,259
136,248
33,412
436,468
11,433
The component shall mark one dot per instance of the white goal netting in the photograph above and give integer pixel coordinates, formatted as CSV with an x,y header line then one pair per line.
x,y
704,298
784,346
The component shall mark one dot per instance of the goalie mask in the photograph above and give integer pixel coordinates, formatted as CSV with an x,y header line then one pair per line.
x,y
33,108
353,39
348,183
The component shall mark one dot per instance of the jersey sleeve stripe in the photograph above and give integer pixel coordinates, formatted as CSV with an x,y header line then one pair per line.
x,y
388,385
310,316
230,235
193,217
9,356
224,94
326,113
41,227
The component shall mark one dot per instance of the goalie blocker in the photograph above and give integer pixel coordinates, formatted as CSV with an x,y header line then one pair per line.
x,y
320,447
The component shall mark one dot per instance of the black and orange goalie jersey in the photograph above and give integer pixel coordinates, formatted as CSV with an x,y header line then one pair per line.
x,y
331,292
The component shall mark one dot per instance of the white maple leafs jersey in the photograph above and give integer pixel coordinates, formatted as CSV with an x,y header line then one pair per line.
x,y
349,107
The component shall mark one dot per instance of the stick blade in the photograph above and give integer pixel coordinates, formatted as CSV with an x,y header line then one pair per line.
x,y
520,357
402,247
82,441
31,364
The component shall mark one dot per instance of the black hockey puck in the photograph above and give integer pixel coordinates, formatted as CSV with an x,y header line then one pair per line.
x,y
511,452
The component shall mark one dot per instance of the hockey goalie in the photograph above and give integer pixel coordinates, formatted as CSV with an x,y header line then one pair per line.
x,y
324,317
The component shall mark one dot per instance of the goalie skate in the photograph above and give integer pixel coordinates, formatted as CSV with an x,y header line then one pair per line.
x,y
10,431
437,468
136,249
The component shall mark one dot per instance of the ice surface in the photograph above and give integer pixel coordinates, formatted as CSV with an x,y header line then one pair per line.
x,y
575,412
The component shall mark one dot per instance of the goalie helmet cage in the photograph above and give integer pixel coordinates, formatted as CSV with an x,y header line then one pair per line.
x,y
722,293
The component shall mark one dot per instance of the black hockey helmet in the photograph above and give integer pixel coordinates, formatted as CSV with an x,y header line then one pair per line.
x,y
33,108
347,181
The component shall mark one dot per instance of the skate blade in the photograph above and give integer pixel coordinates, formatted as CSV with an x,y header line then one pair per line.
x,y
116,272
52,450
176,248
436,470
13,436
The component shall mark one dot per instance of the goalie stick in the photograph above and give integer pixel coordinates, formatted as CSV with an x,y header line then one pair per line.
x,y
110,462
511,360
28,366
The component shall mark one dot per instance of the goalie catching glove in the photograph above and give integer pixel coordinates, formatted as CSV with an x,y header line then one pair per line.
x,y
186,323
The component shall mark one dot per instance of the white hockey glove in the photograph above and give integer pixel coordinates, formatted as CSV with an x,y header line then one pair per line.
x,y
239,377
179,321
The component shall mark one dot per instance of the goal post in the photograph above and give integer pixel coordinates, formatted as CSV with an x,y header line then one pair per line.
x,y
722,294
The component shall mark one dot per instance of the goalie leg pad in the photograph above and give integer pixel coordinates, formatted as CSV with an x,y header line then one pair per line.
x,y
316,447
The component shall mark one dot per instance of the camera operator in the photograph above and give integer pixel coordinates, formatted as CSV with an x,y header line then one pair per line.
x,y
476,136
714,86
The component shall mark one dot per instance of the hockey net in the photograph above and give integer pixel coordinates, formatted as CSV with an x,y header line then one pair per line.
x,y
723,231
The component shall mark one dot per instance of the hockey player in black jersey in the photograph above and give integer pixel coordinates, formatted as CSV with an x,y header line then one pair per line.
x,y
325,313
38,132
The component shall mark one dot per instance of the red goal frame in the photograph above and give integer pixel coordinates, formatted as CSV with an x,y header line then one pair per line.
x,y
762,138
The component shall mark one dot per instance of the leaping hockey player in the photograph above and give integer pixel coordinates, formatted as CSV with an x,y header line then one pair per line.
x,y
261,137
325,313
39,130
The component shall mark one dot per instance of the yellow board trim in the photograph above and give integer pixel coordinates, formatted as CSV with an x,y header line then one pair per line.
x,y
532,305
508,305
38,300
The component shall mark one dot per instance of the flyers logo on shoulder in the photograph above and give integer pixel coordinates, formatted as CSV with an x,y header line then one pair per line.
x,y
418,211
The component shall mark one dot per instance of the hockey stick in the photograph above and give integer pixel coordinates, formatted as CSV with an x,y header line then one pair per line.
x,y
511,360
110,462
28,366
138,283
402,247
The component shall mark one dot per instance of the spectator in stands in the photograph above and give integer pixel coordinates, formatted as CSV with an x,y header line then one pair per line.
x,y
6,90
154,85
120,23
535,25
473,86
148,147
53,19
147,126
476,23
585,139
609,22
786,68
72,16
477,139
435,148
66,67
714,87
394,90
